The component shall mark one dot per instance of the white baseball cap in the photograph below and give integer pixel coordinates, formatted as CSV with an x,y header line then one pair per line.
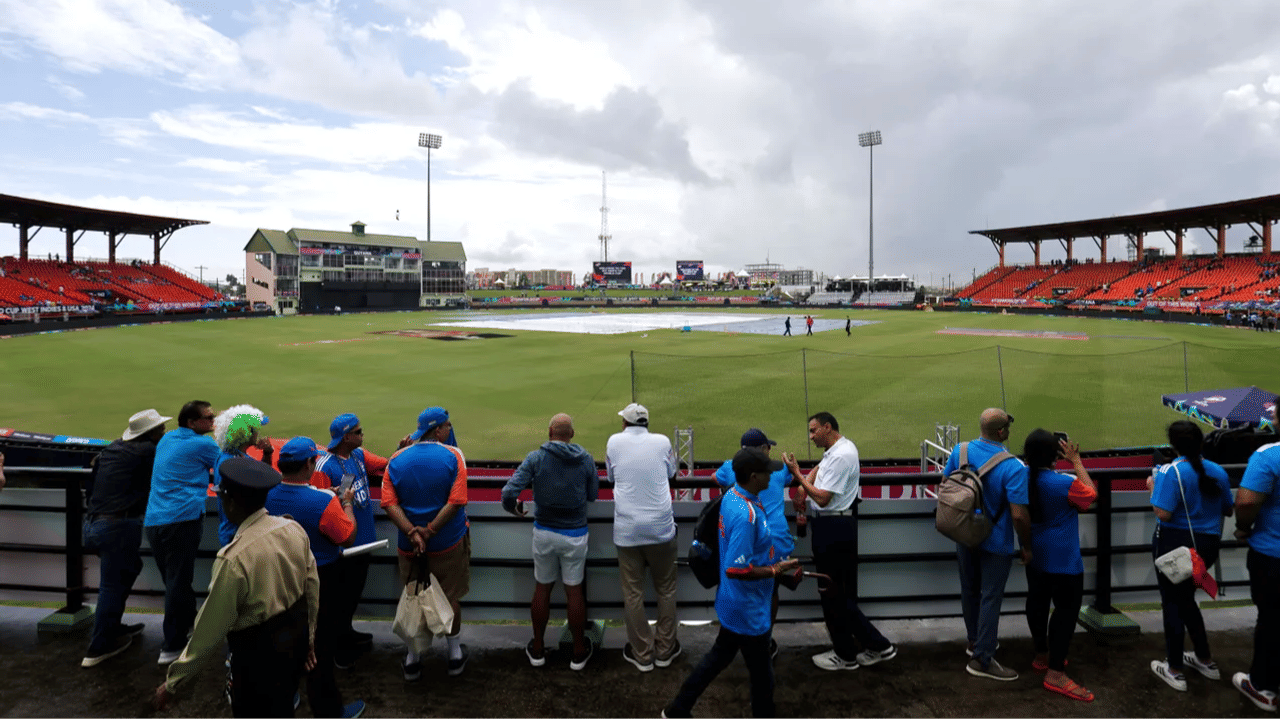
x,y
635,413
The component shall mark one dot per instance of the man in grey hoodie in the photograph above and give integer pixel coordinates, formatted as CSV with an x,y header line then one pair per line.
x,y
564,479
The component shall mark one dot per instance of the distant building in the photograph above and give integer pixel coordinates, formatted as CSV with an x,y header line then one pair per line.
x,y
303,270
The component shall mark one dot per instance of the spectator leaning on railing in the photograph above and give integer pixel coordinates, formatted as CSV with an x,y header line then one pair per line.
x,y
984,570
175,517
117,494
1258,521
564,480
1188,495
1056,571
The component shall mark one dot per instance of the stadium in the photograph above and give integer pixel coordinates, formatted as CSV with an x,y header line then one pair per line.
x,y
343,310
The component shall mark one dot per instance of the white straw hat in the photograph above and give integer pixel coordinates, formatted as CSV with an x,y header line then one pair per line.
x,y
143,422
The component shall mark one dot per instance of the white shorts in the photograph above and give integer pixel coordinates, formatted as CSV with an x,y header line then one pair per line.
x,y
558,557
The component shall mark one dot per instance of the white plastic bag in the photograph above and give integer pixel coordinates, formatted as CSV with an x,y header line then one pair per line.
x,y
422,613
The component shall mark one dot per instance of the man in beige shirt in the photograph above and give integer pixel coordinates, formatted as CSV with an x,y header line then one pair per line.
x,y
263,599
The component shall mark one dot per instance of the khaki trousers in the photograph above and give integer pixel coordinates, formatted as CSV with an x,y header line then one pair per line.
x,y
660,559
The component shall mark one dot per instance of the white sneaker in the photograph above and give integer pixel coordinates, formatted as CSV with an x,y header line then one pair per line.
x,y
168,656
1209,669
1177,681
829,660
1264,699
871,657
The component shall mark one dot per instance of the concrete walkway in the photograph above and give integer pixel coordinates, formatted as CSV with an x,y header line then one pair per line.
x,y
42,677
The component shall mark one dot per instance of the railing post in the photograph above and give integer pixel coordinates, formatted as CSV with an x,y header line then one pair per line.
x,y
1102,594
1108,624
75,614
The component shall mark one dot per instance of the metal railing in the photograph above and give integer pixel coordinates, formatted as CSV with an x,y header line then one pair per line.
x,y
1104,551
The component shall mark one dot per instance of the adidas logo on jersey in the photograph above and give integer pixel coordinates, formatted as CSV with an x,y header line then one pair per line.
x,y
741,559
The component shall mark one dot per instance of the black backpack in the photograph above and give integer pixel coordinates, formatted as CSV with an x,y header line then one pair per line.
x,y
704,552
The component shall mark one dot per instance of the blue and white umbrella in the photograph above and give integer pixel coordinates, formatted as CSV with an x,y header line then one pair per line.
x,y
1236,407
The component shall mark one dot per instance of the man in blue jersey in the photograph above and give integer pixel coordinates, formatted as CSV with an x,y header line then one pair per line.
x,y
774,499
348,465
749,566
984,570
1257,511
330,524
175,517
425,495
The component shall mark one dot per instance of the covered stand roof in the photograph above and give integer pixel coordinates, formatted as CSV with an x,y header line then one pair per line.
x,y
1254,210
38,213
72,219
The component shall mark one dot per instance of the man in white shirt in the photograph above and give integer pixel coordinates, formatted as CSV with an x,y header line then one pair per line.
x,y
641,466
832,490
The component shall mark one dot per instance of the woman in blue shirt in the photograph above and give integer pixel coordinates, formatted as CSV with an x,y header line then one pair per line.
x,y
1189,494
1056,571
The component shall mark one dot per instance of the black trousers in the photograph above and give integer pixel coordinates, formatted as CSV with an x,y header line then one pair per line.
x,y
755,653
267,662
834,544
1053,635
353,573
1264,588
322,690
1179,601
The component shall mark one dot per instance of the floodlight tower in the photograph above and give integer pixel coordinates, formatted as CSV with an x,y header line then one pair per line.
x,y
870,140
605,237
430,142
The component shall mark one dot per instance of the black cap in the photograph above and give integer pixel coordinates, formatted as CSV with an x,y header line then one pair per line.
x,y
753,460
249,473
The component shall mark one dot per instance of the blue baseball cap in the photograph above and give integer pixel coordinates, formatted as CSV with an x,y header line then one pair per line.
x,y
340,426
755,438
298,449
430,419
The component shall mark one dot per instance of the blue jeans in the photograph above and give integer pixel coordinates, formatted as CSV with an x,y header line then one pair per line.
x,y
1178,602
119,562
755,653
1264,589
175,547
982,579
833,543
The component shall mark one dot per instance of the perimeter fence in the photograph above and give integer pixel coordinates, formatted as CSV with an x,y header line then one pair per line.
x,y
888,404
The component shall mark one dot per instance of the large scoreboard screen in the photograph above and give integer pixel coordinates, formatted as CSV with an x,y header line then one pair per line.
x,y
689,271
611,273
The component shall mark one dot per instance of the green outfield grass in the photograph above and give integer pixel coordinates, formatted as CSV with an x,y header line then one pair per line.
x,y
888,384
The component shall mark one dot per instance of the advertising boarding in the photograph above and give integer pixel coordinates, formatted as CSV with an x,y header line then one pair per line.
x,y
689,271
611,273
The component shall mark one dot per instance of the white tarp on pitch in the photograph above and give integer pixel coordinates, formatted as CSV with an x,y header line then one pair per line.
x,y
601,323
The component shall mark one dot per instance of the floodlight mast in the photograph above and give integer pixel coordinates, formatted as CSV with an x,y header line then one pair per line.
x,y
429,141
870,140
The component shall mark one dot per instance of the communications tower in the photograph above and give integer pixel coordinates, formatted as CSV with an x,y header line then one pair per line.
x,y
605,237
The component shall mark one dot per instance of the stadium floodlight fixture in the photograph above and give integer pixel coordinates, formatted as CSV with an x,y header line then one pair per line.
x,y
870,140
430,141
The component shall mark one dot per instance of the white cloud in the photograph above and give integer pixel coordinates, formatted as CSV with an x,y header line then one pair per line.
x,y
518,45
27,111
67,91
363,144
223,166
144,37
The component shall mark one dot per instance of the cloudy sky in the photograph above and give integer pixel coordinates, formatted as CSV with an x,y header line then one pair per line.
x,y
728,129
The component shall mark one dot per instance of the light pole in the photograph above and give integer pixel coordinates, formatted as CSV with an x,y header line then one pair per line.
x,y
870,140
430,142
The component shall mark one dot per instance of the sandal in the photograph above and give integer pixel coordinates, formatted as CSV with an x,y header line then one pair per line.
x,y
1069,690
1043,667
